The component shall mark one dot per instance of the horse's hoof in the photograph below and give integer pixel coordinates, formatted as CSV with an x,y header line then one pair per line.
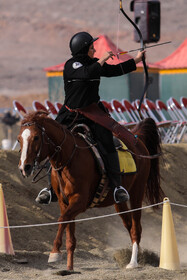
x,y
55,257
64,272
132,265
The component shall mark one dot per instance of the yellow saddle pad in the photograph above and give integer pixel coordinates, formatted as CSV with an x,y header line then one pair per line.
x,y
127,163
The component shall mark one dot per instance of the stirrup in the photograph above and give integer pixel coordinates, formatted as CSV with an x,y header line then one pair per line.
x,y
122,189
48,191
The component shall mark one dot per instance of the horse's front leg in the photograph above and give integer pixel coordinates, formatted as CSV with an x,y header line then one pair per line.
x,y
75,207
70,244
55,254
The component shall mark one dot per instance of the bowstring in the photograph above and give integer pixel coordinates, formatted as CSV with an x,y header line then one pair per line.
x,y
117,43
117,34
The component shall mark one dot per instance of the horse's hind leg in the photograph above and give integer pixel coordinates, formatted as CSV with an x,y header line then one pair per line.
x,y
127,221
131,225
70,244
136,228
135,234
126,218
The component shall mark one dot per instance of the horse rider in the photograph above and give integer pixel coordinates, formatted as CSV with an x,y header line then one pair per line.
x,y
82,73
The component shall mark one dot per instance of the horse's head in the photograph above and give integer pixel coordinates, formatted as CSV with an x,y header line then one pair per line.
x,y
31,138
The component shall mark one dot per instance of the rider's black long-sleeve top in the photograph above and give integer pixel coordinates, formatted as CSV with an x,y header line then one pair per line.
x,y
81,81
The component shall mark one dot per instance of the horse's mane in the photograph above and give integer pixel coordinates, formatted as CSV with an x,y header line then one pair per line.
x,y
40,117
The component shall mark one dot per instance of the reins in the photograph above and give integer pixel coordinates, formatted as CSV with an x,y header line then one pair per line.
x,y
143,156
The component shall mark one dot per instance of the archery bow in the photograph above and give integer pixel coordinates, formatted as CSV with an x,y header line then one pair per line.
x,y
143,57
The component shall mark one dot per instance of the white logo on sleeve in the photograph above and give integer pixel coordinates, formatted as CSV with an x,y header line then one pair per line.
x,y
76,65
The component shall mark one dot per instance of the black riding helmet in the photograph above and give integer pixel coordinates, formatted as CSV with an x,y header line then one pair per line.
x,y
80,43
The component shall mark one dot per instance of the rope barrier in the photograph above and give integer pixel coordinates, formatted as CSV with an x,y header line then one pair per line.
x,y
181,205
93,218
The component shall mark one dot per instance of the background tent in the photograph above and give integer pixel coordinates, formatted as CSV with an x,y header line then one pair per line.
x,y
172,73
55,82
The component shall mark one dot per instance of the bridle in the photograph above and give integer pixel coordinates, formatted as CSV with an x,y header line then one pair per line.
x,y
46,140
57,150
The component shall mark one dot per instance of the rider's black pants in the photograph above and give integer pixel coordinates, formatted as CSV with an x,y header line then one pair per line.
x,y
105,143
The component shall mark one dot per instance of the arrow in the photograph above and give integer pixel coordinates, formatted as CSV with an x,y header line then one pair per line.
x,y
146,47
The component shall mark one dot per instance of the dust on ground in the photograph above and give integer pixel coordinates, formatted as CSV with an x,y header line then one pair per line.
x,y
101,243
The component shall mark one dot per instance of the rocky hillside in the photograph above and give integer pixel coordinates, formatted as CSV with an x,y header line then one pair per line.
x,y
35,34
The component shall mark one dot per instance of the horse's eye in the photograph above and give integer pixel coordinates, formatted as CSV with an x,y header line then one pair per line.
x,y
36,138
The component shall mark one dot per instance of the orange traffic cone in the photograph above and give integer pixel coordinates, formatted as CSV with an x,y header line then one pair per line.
x,y
169,257
5,237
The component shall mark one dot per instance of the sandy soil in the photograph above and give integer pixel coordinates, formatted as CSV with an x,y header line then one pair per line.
x,y
102,244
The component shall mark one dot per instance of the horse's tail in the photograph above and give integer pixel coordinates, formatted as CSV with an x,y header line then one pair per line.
x,y
147,131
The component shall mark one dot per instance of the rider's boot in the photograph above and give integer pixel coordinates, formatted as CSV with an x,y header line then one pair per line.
x,y
113,172
47,195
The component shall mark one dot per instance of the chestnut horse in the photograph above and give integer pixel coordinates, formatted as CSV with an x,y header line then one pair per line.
x,y
75,175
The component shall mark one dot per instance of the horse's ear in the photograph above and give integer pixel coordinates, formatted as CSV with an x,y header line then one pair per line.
x,y
42,113
34,116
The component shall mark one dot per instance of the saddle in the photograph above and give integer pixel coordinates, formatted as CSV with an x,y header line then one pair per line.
x,y
127,163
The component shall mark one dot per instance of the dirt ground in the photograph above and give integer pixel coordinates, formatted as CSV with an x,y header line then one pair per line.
x,y
102,244
30,32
